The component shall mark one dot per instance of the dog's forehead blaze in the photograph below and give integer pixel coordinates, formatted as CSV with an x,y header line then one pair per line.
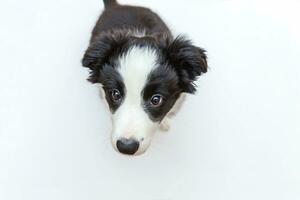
x,y
135,66
130,119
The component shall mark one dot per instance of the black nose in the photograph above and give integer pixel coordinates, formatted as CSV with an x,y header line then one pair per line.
x,y
128,146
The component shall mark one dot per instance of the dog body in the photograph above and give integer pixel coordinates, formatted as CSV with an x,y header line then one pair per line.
x,y
143,71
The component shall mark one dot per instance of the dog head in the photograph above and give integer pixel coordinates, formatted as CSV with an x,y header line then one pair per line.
x,y
142,78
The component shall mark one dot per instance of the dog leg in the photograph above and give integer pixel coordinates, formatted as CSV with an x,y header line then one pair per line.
x,y
165,124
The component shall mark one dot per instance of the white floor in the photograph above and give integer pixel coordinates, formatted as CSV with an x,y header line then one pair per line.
x,y
238,138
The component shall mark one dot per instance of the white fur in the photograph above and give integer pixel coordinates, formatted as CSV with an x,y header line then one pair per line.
x,y
139,33
130,119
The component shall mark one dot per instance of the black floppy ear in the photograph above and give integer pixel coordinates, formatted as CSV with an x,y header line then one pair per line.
x,y
189,62
99,51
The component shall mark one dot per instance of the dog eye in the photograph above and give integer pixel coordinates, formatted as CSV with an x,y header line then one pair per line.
x,y
115,95
156,100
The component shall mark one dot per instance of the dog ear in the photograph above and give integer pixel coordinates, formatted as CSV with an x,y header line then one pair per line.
x,y
188,60
99,52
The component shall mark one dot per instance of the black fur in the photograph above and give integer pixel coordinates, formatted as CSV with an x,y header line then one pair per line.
x,y
129,17
188,60
112,80
163,81
109,3
180,62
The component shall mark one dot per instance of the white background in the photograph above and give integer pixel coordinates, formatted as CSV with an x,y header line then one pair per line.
x,y
238,138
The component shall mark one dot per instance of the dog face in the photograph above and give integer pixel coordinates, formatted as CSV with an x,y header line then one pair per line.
x,y
142,78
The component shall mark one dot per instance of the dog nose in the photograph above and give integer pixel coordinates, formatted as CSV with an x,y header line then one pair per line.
x,y
128,146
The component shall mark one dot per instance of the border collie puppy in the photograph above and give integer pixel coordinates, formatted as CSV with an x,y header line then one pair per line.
x,y
143,72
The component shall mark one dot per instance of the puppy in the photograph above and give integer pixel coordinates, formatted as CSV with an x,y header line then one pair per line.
x,y
143,71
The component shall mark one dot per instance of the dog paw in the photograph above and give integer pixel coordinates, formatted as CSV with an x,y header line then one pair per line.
x,y
164,125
